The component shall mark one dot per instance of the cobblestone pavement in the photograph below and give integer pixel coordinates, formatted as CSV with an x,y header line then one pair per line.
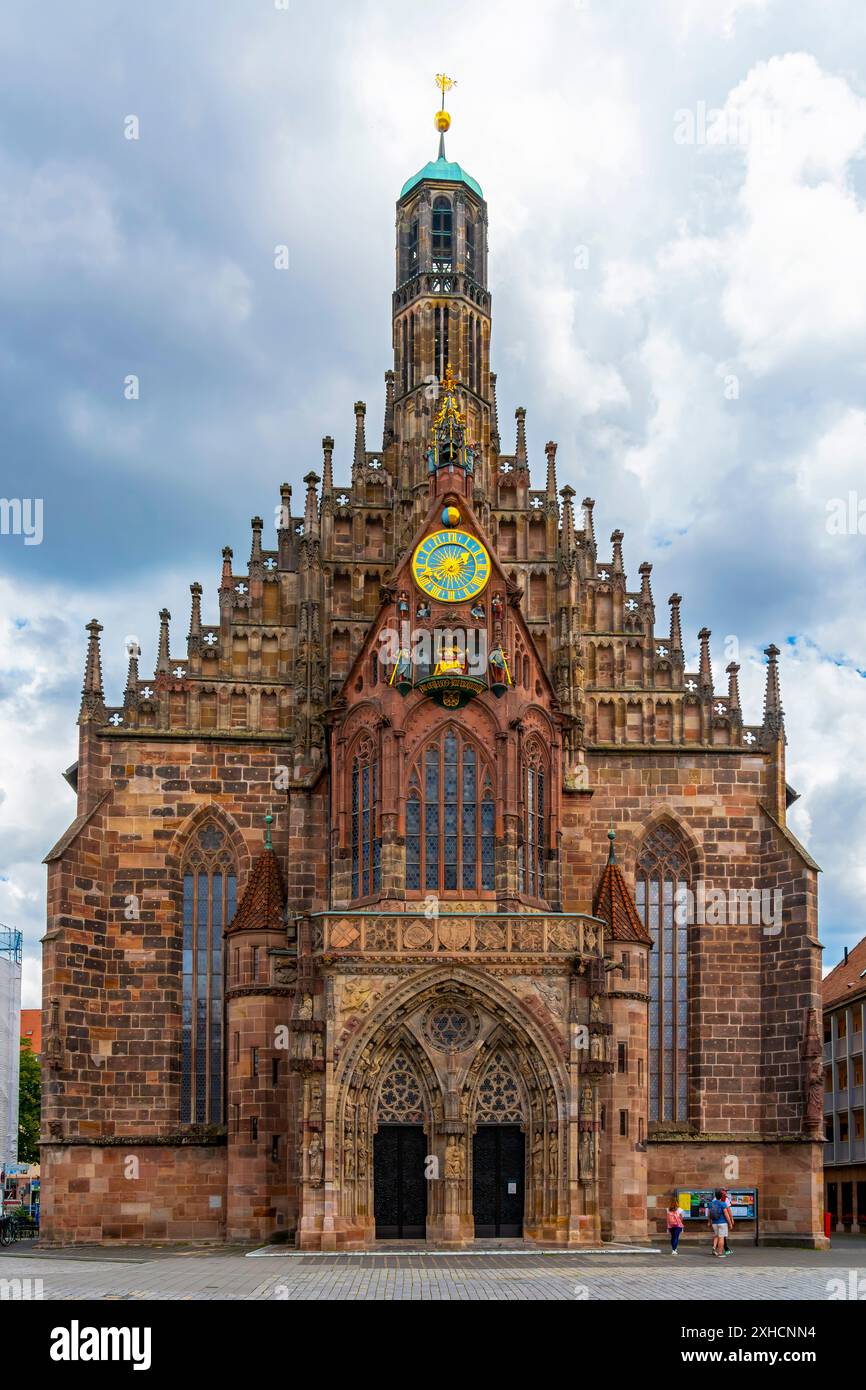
x,y
133,1274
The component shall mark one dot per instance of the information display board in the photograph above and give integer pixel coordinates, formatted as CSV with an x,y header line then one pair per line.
x,y
743,1200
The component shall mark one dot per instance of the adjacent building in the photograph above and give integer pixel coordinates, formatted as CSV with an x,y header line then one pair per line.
x,y
427,892
844,994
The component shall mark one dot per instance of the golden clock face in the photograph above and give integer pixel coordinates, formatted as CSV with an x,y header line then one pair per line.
x,y
451,566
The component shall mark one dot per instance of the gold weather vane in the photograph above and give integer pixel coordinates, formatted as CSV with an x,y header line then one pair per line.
x,y
444,83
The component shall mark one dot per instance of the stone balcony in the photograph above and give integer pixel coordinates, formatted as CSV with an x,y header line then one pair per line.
x,y
347,933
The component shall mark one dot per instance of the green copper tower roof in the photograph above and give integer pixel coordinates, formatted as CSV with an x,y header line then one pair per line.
x,y
442,170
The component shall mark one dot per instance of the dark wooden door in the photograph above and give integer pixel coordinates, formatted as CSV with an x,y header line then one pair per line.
x,y
497,1180
399,1182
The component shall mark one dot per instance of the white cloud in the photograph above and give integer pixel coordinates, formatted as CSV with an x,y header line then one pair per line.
x,y
797,272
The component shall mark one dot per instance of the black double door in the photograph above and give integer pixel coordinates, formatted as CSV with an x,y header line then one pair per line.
x,y
498,1160
400,1182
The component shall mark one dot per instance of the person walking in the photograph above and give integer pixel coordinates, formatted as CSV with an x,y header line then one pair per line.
x,y
729,1218
675,1223
718,1221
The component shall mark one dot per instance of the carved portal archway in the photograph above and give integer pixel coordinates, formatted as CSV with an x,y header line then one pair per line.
x,y
450,1050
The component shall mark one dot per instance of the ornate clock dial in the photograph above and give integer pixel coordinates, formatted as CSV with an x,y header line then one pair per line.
x,y
451,566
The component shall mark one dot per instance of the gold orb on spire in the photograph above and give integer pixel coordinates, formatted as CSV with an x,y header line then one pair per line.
x,y
442,120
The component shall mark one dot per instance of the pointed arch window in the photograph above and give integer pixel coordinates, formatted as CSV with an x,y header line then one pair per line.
x,y
663,872
440,339
499,1099
470,245
443,229
532,852
401,1099
366,841
450,820
209,901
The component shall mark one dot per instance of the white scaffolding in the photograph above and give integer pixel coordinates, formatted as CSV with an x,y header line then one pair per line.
x,y
10,1042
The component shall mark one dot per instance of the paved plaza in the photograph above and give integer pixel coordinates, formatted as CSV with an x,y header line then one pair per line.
x,y
490,1274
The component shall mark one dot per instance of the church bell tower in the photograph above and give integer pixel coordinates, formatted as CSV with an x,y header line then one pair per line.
x,y
441,305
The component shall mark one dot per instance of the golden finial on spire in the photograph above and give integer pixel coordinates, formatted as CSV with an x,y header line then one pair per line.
x,y
444,83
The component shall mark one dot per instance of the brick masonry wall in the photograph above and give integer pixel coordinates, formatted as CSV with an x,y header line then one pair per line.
x,y
132,1193
787,1176
118,981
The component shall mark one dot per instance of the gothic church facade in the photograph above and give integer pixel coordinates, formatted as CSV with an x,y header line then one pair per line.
x,y
368,924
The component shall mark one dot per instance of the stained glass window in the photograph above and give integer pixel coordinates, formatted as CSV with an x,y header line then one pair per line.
x,y
209,901
366,842
662,875
450,820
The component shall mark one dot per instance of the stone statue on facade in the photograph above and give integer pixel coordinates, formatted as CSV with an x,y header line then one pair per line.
x,y
316,1160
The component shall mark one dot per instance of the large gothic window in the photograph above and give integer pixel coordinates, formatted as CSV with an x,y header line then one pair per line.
x,y
450,820
533,845
366,842
662,873
209,900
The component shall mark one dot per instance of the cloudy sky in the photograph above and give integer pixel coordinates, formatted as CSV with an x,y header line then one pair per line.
x,y
678,263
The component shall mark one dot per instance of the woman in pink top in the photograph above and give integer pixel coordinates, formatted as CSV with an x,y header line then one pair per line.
x,y
675,1224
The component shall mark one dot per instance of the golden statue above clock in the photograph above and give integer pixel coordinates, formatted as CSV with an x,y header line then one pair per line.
x,y
451,566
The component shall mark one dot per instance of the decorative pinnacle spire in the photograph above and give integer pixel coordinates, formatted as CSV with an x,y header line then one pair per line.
x,y
588,503
256,551
520,449
705,671
611,835
195,614
388,427
285,508
269,820
550,450
130,694
568,537
327,465
360,439
616,541
226,582
646,593
733,670
163,660
92,694
774,715
311,510
676,630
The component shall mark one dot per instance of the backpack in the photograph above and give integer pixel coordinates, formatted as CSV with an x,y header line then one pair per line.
x,y
717,1211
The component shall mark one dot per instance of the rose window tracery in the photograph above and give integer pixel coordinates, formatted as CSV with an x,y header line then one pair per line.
x,y
449,1028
